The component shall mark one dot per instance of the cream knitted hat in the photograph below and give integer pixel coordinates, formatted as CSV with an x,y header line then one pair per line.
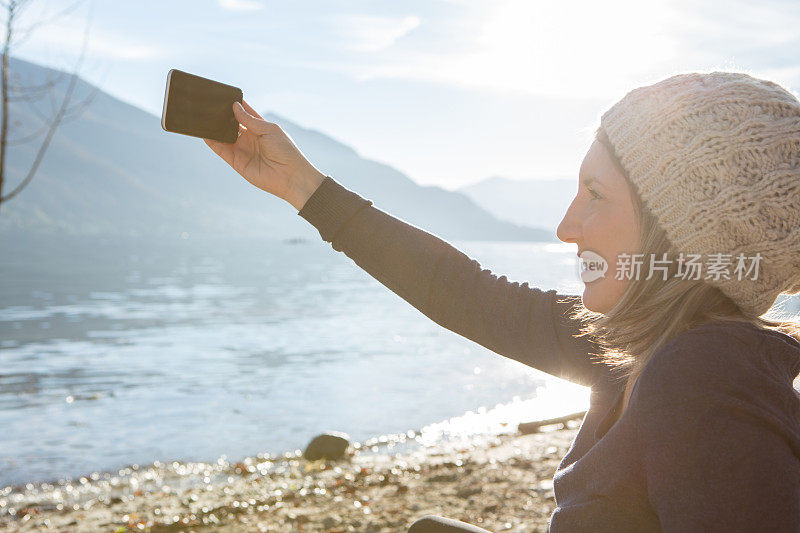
x,y
716,158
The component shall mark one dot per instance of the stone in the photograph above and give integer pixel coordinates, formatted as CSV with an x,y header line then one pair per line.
x,y
328,445
330,522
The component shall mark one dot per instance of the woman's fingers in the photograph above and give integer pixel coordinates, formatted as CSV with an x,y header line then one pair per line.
x,y
259,126
249,109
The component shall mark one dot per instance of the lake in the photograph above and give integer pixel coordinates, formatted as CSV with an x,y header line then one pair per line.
x,y
115,353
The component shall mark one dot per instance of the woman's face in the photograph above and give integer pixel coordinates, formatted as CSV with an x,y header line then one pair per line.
x,y
602,219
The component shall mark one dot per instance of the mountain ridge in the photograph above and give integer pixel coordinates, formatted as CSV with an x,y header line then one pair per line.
x,y
112,170
535,202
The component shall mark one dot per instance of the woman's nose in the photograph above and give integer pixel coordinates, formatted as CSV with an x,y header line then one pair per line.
x,y
569,229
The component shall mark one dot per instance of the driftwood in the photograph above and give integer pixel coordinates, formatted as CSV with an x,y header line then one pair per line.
x,y
533,427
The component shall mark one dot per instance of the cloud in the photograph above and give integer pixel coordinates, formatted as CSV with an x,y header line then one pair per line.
x,y
241,5
585,50
530,47
68,41
369,33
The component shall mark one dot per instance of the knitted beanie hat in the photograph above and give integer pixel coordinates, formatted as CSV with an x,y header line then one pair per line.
x,y
715,157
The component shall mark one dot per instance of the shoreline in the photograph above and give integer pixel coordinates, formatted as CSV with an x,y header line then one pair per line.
x,y
500,482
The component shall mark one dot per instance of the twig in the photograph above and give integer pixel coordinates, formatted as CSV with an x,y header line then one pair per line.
x,y
62,111
533,427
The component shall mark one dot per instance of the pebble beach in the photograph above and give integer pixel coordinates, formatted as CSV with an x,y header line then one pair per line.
x,y
500,482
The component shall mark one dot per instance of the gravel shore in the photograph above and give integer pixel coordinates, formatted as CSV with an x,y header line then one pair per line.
x,y
500,482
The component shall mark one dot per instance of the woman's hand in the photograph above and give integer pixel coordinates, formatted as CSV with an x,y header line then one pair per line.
x,y
266,157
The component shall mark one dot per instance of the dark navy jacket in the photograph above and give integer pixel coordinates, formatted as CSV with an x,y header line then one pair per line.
x,y
710,438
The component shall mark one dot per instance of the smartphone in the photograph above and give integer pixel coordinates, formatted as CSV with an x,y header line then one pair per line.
x,y
200,107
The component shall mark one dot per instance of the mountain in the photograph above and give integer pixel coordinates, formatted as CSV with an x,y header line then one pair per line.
x,y
112,170
534,202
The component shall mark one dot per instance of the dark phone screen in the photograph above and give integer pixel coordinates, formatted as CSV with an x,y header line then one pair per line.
x,y
201,107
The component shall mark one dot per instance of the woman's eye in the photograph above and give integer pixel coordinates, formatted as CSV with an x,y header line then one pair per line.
x,y
594,193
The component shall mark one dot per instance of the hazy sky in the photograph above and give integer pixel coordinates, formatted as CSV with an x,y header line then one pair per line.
x,y
447,91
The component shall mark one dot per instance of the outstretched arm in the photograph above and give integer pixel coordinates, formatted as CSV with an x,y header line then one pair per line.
x,y
510,318
515,320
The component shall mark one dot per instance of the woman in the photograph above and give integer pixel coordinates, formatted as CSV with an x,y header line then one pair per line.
x,y
693,423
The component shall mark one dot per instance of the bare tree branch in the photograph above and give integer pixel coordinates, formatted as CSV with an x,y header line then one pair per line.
x,y
43,148
81,106
19,92
62,111
11,10
28,138
36,111
23,33
31,99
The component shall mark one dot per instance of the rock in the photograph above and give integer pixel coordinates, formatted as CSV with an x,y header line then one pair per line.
x,y
467,491
446,477
372,527
329,445
330,522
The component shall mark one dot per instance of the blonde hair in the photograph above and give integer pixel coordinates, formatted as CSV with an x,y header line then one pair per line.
x,y
653,311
